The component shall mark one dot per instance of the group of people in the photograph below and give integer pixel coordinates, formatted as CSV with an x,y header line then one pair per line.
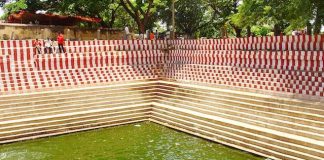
x,y
150,35
298,32
50,46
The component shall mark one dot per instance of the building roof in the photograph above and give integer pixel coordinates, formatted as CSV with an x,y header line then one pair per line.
x,y
24,17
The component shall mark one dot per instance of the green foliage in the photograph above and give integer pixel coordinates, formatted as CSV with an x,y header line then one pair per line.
x,y
261,30
108,10
283,15
14,7
143,12
204,18
190,22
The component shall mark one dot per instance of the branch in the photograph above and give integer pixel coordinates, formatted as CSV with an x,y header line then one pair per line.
x,y
132,14
131,6
147,14
149,7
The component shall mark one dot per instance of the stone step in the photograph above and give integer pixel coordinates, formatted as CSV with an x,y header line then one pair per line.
x,y
9,98
298,107
78,128
220,139
249,118
286,144
248,95
69,95
59,101
239,107
248,104
55,85
48,123
77,107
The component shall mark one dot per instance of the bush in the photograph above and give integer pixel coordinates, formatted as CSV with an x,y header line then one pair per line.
x,y
5,37
261,30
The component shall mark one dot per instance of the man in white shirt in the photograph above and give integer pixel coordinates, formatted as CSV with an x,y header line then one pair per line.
x,y
126,32
55,46
48,45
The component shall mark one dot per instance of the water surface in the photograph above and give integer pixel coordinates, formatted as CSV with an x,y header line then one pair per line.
x,y
142,141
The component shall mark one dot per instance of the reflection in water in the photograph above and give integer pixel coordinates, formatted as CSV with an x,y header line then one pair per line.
x,y
144,141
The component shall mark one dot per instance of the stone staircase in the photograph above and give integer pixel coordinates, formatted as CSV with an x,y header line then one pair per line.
x,y
35,115
274,127
260,123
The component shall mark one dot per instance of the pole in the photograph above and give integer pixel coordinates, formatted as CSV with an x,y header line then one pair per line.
x,y
173,20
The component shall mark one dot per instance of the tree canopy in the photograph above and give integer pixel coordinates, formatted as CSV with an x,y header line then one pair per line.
x,y
204,18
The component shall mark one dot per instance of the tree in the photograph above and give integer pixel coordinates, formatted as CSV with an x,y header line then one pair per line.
x,y
104,9
258,12
318,6
222,11
283,15
191,16
14,7
142,11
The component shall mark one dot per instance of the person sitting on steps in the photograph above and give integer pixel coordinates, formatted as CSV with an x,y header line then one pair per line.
x,y
48,46
37,44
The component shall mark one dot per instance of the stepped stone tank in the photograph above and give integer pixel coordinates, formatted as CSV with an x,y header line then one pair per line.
x,y
263,95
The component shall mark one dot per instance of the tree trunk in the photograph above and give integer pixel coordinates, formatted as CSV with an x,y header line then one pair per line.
x,y
318,22
248,30
309,28
113,19
224,32
141,27
238,32
277,30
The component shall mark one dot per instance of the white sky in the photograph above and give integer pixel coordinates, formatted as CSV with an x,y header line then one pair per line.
x,y
1,11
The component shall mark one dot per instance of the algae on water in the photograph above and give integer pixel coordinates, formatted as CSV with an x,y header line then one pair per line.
x,y
143,141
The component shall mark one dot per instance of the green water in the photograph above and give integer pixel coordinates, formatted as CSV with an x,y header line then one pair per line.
x,y
143,141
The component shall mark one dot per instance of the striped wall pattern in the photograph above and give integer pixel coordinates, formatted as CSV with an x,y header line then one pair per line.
x,y
291,71
25,47
289,64
68,70
97,59
252,40
284,60
285,46
279,43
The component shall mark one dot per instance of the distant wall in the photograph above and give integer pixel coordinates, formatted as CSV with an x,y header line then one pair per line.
x,y
30,31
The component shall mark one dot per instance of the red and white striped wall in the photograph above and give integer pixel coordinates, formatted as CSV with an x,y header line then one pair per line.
x,y
10,47
101,59
286,60
285,46
286,64
294,82
253,40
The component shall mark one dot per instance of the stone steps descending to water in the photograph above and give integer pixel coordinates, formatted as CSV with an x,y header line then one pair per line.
x,y
56,112
231,130
266,125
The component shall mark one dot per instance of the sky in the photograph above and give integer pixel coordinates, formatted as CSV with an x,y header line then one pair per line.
x,y
1,11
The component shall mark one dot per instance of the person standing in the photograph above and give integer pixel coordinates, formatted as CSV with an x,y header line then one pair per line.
x,y
152,36
147,34
48,46
127,33
38,45
55,46
60,41
156,34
